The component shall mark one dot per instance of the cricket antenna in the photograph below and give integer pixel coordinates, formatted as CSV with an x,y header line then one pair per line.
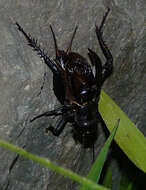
x,y
70,44
55,42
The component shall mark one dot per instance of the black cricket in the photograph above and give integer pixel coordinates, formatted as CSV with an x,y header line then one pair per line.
x,y
76,85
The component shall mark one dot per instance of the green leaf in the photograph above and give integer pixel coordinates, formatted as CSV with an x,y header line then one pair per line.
x,y
95,171
128,137
52,166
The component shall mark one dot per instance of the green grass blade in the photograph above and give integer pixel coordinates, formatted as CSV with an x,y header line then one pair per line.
x,y
95,171
128,137
52,166
126,183
107,181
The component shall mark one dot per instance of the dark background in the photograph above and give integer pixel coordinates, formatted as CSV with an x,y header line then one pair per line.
x,y
21,76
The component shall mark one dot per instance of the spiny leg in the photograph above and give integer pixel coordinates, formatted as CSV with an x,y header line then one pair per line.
x,y
36,47
108,67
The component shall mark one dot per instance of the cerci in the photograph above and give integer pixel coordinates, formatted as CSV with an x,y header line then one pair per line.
x,y
77,85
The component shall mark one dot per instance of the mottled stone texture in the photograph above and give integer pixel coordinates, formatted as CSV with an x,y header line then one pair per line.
x,y
21,76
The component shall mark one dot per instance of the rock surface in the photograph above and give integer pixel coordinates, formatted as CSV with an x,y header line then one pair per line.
x,y
21,74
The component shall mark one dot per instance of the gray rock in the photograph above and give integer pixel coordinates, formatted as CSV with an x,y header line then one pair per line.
x,y
21,73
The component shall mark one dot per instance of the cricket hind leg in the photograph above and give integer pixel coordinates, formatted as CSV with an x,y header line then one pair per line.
x,y
103,20
108,66
95,60
32,42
